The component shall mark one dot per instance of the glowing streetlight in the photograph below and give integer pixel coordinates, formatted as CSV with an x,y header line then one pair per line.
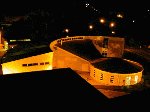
x,y
66,30
113,32
90,27
133,21
119,15
112,24
102,20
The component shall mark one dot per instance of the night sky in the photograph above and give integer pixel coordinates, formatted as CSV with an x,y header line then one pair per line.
x,y
135,21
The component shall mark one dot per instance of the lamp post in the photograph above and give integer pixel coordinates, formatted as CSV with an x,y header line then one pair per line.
x,y
66,31
90,27
102,20
112,24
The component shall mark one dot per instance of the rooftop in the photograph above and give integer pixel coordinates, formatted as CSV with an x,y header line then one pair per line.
x,y
25,50
82,48
117,65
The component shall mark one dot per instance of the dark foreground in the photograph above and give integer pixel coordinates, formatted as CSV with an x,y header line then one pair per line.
x,y
63,90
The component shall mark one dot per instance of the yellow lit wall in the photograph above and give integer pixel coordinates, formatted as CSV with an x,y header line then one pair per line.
x,y
65,59
115,46
34,63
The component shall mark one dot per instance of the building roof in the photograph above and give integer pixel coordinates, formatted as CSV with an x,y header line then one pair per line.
x,y
117,65
82,48
25,50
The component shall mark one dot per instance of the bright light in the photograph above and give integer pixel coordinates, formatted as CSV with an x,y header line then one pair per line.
x,y
66,30
119,16
113,32
6,71
90,26
133,21
102,20
112,24
136,79
49,67
87,4
128,79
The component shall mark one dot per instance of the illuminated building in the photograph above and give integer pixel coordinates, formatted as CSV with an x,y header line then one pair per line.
x,y
99,56
27,58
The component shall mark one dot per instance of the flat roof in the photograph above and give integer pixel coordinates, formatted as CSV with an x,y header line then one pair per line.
x,y
117,65
25,50
82,48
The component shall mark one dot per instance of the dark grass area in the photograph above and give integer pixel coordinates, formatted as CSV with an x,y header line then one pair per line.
x,y
84,49
117,65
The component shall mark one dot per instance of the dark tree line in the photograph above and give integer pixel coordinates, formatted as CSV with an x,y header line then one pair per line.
x,y
37,26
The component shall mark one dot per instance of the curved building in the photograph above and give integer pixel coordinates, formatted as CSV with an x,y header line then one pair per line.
x,y
98,56
101,56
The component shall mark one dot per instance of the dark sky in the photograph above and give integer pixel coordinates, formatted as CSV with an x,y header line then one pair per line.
x,y
133,10
18,7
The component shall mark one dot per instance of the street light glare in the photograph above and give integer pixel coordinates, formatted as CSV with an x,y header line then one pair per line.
x,y
112,24
66,30
119,15
102,20
90,26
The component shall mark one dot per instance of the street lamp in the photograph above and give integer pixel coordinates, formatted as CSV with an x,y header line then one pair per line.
x,y
113,32
102,20
66,30
90,27
119,15
112,24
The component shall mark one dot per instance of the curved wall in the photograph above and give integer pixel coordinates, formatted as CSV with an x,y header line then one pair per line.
x,y
63,58
116,79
